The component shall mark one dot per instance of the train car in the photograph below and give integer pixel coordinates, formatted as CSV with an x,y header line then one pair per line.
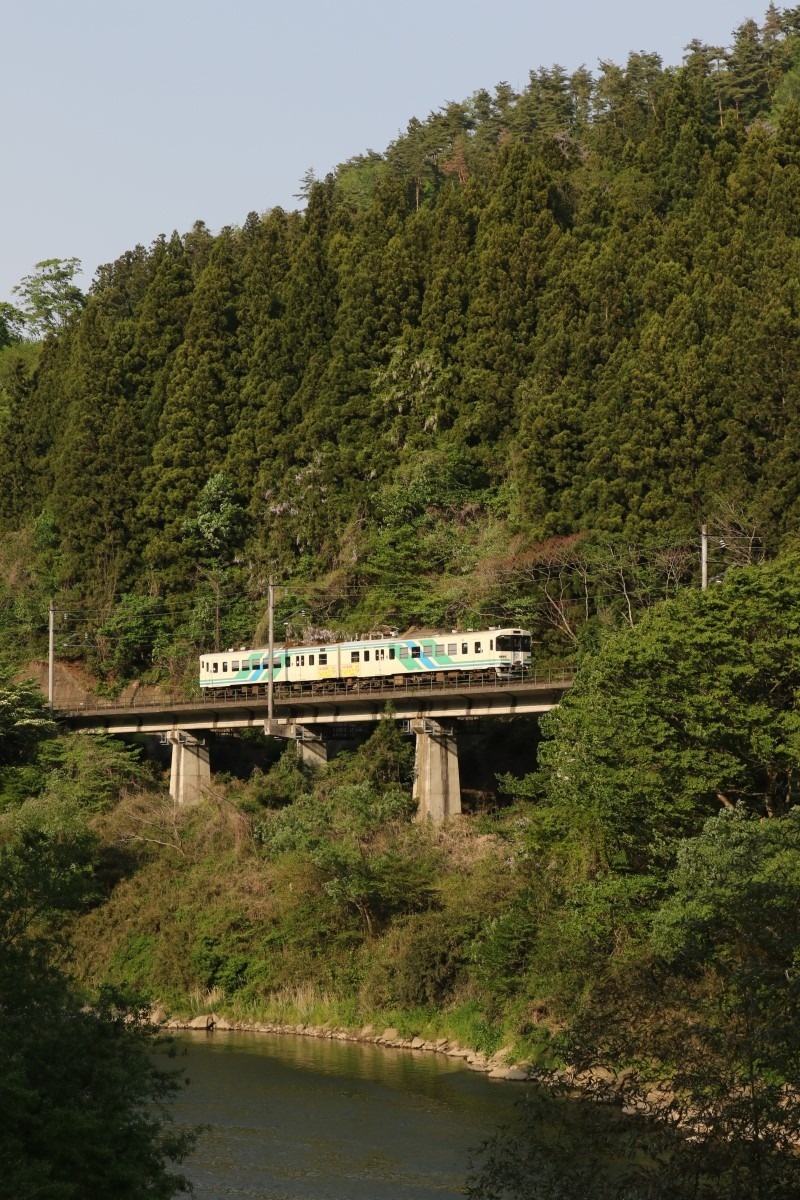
x,y
496,652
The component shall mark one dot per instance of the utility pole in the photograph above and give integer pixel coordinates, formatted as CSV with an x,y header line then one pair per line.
x,y
704,557
270,680
51,656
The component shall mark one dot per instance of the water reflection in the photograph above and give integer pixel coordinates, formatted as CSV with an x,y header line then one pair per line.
x,y
301,1118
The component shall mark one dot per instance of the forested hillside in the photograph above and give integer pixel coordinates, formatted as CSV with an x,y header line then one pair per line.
x,y
501,371
569,310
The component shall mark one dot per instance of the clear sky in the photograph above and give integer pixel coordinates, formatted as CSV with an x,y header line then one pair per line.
x,y
128,118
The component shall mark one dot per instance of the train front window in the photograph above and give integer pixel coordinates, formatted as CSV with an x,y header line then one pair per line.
x,y
515,641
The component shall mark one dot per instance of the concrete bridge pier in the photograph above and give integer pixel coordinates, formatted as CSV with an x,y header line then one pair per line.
x,y
437,784
312,746
190,773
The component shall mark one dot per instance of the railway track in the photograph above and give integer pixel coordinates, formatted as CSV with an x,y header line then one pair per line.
x,y
325,690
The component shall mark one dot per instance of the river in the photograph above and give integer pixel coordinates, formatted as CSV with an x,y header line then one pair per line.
x,y
311,1119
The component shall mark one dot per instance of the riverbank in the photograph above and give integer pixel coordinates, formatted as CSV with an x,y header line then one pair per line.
x,y
498,1065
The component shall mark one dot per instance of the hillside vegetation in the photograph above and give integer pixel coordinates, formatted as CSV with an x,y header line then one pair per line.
x,y
563,311
500,372
634,907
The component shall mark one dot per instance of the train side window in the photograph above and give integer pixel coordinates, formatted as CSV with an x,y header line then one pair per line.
x,y
491,643
403,652
323,660
452,648
225,667
366,656
355,656
311,660
416,651
439,650
464,648
391,652
216,668
287,661
299,660
477,648
234,666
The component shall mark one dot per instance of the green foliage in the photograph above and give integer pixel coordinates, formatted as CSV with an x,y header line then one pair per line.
x,y
124,641
92,769
50,297
219,527
429,960
11,323
692,709
25,728
84,1094
707,1031
24,723
282,785
728,939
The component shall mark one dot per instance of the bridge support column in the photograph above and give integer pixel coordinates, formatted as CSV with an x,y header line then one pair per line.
x,y
190,773
437,785
312,749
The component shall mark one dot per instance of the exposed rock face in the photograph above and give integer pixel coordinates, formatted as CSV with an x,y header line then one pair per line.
x,y
204,1021
73,688
509,1073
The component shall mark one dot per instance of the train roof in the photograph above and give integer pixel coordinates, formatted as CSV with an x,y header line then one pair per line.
x,y
394,635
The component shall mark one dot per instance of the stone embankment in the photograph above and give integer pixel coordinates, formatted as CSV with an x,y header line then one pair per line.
x,y
496,1066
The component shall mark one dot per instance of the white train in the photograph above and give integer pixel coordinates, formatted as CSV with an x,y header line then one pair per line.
x,y
495,652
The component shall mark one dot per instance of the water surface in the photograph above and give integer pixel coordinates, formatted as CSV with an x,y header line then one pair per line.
x,y
302,1118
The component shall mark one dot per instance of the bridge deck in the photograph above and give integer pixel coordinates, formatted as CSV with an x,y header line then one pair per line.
x,y
415,698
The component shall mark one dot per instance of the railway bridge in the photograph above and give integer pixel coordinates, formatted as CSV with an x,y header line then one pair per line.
x,y
427,708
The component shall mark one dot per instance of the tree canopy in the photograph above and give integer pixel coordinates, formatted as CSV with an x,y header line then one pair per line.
x,y
584,292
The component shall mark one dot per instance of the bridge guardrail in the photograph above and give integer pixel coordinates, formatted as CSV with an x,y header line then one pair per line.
x,y
412,685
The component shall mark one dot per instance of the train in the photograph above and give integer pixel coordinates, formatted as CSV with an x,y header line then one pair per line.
x,y
368,662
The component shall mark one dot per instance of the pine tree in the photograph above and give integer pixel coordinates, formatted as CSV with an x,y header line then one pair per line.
x,y
200,412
